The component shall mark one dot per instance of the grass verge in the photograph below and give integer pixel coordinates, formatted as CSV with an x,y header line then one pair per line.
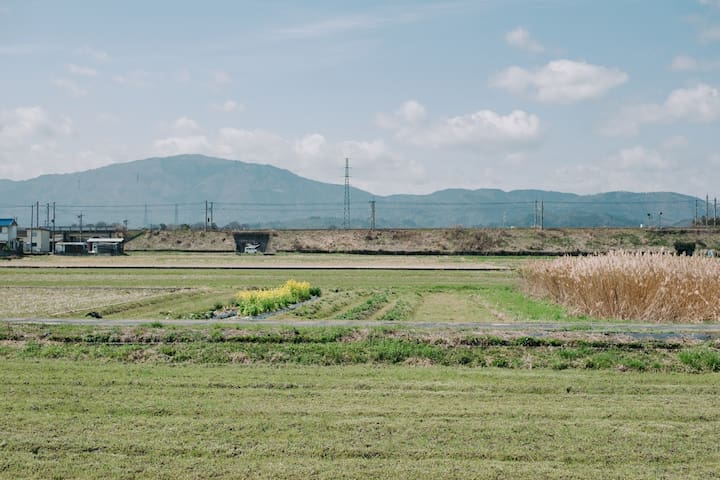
x,y
63,419
157,344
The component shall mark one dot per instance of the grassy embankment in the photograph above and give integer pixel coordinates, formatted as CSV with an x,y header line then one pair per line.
x,y
63,419
451,241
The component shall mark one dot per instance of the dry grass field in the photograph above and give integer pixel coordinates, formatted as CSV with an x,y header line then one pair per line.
x,y
645,287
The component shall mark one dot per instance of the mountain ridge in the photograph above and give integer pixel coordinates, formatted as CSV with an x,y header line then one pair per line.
x,y
174,190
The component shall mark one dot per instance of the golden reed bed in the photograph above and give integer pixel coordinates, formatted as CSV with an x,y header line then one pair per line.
x,y
651,287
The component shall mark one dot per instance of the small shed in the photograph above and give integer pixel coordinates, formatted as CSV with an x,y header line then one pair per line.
x,y
37,240
106,246
71,248
8,234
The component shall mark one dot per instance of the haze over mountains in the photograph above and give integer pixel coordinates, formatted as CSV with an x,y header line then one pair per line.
x,y
173,190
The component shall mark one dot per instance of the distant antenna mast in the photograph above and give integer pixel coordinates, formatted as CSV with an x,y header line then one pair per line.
x,y
346,219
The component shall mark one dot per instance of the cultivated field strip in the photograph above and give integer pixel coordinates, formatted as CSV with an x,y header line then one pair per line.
x,y
19,302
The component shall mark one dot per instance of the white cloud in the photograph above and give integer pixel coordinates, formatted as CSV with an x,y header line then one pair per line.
x,y
310,145
186,124
677,141
481,127
94,54
70,86
700,104
186,144
183,76
24,125
29,139
107,117
410,112
311,155
520,38
256,145
136,78
229,106
637,168
26,49
639,158
330,26
220,79
684,63
689,64
561,81
484,128
81,70
709,33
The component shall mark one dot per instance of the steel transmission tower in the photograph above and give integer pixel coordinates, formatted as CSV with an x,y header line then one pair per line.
x,y
346,218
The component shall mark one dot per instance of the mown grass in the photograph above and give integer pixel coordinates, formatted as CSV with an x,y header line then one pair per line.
x,y
62,419
222,344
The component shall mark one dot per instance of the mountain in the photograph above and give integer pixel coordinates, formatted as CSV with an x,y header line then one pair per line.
x,y
173,190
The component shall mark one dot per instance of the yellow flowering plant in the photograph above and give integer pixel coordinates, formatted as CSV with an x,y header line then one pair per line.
x,y
256,302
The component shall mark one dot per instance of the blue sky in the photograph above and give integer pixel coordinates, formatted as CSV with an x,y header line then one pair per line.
x,y
576,96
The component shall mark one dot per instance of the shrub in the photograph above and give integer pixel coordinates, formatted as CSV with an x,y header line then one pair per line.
x,y
256,302
657,287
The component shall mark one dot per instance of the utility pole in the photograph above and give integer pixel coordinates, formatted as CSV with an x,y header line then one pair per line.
x,y
37,216
542,214
346,217
145,218
206,216
535,212
53,229
80,217
715,212
212,217
707,209
372,215
47,215
695,224
32,217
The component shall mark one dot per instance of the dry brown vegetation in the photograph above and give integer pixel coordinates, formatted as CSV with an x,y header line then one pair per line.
x,y
23,302
654,287
456,240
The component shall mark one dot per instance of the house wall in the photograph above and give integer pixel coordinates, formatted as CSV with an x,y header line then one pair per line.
x,y
8,234
40,241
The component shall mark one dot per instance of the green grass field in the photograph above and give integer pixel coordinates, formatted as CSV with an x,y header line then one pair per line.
x,y
398,295
371,400
64,419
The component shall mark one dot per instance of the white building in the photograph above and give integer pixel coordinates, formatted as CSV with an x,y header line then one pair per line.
x,y
37,240
8,234
108,246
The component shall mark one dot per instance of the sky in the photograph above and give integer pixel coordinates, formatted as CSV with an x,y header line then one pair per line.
x,y
568,95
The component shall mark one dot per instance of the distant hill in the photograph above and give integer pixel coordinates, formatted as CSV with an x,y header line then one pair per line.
x,y
174,190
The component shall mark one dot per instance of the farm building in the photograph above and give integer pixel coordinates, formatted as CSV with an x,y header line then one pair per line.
x,y
71,248
8,235
37,240
108,246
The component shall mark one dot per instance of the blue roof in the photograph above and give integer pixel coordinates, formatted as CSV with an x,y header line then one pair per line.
x,y
6,222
